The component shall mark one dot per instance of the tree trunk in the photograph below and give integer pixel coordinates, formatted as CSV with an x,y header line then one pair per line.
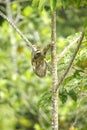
x,y
54,75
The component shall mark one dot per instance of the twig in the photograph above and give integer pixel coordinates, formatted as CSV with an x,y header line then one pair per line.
x,y
18,16
71,61
8,9
28,43
67,48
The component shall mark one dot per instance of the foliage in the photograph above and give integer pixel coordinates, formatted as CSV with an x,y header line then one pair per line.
x,y
25,99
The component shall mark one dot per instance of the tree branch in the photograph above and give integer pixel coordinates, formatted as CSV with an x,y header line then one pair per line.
x,y
72,59
67,48
54,75
28,43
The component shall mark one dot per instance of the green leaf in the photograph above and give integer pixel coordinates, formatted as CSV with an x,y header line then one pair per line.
x,y
63,95
67,80
73,95
53,4
45,100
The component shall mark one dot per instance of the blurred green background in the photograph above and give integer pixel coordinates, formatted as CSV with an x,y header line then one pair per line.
x,y
25,99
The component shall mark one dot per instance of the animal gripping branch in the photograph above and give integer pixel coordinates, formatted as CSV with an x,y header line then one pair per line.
x,y
38,57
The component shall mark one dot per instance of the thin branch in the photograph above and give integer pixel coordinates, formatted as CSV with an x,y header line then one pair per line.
x,y
28,43
54,75
64,52
18,16
8,9
71,61
67,48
